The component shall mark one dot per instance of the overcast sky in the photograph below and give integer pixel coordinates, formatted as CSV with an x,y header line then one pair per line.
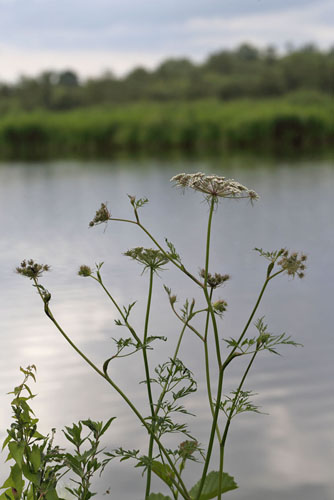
x,y
92,36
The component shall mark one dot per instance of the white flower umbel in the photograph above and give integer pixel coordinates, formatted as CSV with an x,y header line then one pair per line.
x,y
214,186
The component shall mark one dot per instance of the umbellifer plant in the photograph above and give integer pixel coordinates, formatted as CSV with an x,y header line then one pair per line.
x,y
172,378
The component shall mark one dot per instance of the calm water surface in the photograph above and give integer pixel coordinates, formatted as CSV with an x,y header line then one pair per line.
x,y
45,209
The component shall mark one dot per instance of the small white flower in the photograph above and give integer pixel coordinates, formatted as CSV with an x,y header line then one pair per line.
x,y
214,186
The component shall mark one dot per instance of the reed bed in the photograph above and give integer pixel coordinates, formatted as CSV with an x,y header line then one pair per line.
x,y
261,125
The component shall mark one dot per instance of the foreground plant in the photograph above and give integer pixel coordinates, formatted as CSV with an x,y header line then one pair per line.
x,y
174,380
39,464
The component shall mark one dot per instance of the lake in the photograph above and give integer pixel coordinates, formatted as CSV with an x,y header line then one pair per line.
x,y
45,209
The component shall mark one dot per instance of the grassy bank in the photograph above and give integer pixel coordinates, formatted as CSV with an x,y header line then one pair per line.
x,y
289,124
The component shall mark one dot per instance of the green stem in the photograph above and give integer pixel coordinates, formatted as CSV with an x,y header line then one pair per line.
x,y
149,389
130,328
254,310
207,368
208,238
212,433
205,289
180,485
163,392
214,423
228,422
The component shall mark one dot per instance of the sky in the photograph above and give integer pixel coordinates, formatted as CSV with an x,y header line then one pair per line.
x,y
95,36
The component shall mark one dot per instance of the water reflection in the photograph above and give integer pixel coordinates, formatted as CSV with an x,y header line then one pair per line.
x,y
45,209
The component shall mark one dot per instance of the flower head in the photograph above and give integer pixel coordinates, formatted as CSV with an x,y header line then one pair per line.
x,y
214,186
31,269
101,215
219,307
149,257
214,280
85,271
187,448
293,263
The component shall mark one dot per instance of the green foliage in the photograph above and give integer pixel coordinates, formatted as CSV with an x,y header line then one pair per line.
x,y
211,486
265,341
245,72
172,251
37,461
239,402
244,98
84,463
39,464
205,125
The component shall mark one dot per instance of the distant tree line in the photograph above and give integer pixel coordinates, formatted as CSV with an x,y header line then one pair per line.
x,y
246,72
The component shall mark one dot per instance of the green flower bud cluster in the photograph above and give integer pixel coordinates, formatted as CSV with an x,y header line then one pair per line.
x,y
32,269
148,257
214,280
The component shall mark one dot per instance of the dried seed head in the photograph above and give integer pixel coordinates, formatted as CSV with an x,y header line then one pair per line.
x,y
32,269
214,186
293,263
101,215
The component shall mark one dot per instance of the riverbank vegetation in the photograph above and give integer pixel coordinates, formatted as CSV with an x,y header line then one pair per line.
x,y
296,123
239,99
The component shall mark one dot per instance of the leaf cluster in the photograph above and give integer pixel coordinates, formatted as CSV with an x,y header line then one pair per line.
x,y
85,462
173,255
177,382
38,463
239,402
264,341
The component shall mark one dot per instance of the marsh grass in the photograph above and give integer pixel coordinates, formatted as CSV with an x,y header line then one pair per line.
x,y
270,125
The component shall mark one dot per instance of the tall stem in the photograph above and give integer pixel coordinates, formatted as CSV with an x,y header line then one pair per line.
x,y
205,289
208,240
148,385
220,381
163,392
207,368
254,310
212,433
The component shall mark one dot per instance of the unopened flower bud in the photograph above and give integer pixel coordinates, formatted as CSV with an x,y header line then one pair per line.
x,y
172,299
132,199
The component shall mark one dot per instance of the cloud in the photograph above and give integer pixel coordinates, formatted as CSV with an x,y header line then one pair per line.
x,y
16,62
117,37
311,24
